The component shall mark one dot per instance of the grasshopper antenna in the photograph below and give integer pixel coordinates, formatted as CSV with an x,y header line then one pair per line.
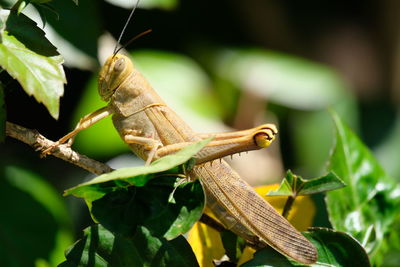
x,y
116,49
132,40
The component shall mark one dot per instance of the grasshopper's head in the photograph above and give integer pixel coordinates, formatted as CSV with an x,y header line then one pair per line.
x,y
114,72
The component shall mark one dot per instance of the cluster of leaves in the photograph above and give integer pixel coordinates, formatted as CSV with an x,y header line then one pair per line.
x,y
142,213
30,58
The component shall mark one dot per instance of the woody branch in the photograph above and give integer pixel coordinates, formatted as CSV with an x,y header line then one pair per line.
x,y
64,152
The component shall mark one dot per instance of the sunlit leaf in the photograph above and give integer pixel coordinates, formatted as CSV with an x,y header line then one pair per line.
x,y
100,247
30,58
367,206
21,5
137,176
294,185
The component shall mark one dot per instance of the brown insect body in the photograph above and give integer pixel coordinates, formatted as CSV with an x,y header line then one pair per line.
x,y
143,120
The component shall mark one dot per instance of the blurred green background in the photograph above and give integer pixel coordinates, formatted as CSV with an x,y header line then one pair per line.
x,y
221,65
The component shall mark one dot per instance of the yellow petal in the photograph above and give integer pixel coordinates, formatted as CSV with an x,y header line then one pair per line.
x,y
301,214
247,255
206,242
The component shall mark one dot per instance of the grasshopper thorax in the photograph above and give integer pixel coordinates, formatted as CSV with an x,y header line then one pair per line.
x,y
116,69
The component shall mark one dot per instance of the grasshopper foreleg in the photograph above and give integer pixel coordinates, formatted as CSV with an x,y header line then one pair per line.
x,y
84,123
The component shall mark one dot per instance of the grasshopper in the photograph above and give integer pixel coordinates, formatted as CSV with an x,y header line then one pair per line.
x,y
152,130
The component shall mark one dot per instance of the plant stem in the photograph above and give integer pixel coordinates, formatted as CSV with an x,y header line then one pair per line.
x,y
212,223
16,6
288,206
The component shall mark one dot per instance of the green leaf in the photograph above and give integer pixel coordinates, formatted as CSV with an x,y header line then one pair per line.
x,y
2,24
124,209
287,81
387,151
367,206
268,257
2,114
129,4
43,9
30,58
27,32
80,26
312,134
280,78
137,176
294,185
233,245
34,221
100,247
335,249
21,6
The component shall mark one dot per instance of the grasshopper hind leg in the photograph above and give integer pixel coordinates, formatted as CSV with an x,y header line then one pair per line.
x,y
226,144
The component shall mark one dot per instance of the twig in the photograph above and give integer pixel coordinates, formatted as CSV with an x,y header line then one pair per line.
x,y
36,140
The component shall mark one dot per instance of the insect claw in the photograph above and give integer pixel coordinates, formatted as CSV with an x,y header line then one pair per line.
x,y
37,147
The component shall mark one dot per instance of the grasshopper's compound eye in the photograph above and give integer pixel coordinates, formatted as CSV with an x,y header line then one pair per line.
x,y
120,65
115,71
